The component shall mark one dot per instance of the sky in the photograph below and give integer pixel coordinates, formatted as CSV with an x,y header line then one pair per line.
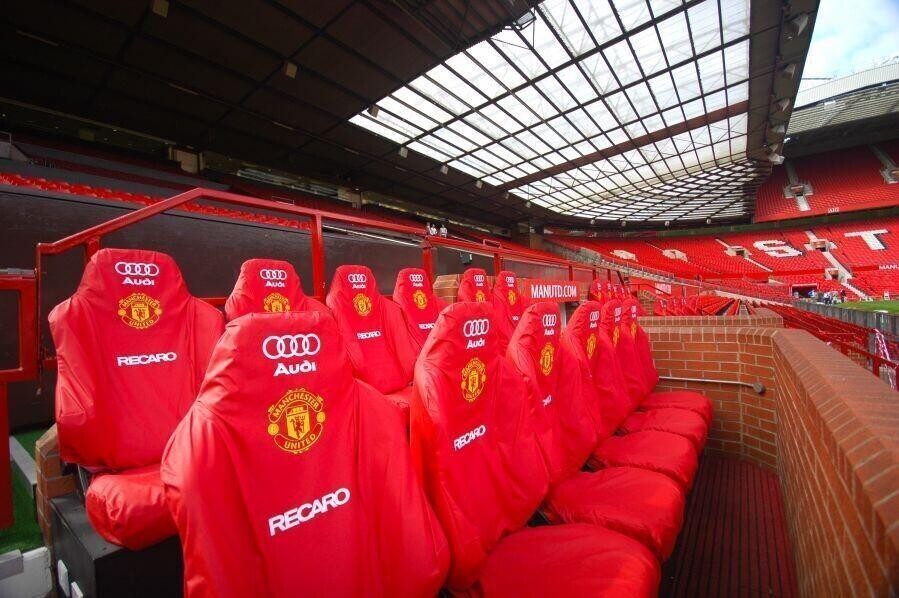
x,y
851,35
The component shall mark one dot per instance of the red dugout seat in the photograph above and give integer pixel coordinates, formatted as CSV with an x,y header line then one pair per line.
x,y
374,331
268,285
508,302
654,450
475,286
415,296
472,436
297,483
660,307
132,346
644,505
600,291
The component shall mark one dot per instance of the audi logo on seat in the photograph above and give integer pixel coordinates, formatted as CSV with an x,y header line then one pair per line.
x,y
357,278
417,279
478,327
136,269
510,281
479,279
549,320
268,274
295,345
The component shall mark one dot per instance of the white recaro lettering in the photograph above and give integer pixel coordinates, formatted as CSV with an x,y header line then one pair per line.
x,y
870,238
129,360
776,248
305,512
465,439
426,326
370,334
547,400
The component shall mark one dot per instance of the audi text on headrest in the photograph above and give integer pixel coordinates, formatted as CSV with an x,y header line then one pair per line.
x,y
417,279
128,360
290,346
479,279
475,331
305,512
357,280
273,278
549,324
147,272
594,318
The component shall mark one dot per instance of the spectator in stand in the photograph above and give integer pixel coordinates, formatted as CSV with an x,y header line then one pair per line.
x,y
842,295
443,231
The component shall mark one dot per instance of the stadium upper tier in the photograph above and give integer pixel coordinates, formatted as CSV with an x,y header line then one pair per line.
x,y
839,181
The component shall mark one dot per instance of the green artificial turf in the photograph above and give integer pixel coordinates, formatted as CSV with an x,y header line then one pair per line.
x,y
891,306
24,533
29,438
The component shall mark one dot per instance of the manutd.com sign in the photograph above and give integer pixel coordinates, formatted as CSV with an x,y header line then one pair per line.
x,y
552,290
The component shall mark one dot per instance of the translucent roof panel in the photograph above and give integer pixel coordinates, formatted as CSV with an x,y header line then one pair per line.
x,y
598,108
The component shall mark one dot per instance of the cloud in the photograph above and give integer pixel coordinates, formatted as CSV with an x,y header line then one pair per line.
x,y
851,36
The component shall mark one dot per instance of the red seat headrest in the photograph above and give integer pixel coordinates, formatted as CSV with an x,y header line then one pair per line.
x,y
414,294
285,450
566,420
474,286
507,297
132,346
265,285
472,435
611,319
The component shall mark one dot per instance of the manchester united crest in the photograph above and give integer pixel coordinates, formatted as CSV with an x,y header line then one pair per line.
x,y
480,297
591,345
615,334
139,310
474,377
634,329
546,358
420,299
362,303
296,421
275,303
513,297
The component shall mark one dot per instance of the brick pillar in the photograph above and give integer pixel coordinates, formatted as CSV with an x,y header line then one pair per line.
x,y
50,479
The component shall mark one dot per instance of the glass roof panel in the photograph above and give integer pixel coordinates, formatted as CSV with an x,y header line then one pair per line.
x,y
518,110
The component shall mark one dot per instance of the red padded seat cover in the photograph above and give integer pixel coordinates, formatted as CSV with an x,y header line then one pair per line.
x,y
475,286
645,505
132,347
637,339
300,482
415,296
268,285
374,331
663,452
595,352
660,307
565,420
680,399
508,302
472,435
613,324
569,560
683,422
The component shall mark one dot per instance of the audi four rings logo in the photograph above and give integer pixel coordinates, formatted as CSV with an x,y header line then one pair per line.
x,y
417,279
549,320
136,269
268,274
594,316
478,327
295,345
357,278
479,279
510,281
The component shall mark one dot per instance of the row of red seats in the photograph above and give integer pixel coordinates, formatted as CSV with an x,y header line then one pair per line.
x,y
287,447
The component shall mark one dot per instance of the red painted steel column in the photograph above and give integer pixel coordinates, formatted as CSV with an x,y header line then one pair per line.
x,y
90,248
497,264
427,261
318,258
6,513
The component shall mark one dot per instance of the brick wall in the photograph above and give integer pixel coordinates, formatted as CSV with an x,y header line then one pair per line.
x,y
828,427
50,480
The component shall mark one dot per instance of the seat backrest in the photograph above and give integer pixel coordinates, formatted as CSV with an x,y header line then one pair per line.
x,y
614,325
642,346
132,346
565,419
508,303
660,307
375,333
593,347
414,294
475,286
472,436
289,476
268,285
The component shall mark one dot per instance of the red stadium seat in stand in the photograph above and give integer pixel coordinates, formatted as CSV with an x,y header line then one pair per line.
x,y
660,307
301,483
415,296
644,505
474,286
655,450
132,346
268,285
508,302
374,330
472,436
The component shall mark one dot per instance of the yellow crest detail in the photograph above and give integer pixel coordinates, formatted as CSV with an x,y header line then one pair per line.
x,y
474,377
420,299
546,358
591,345
634,330
296,421
513,297
139,310
480,297
362,303
276,303
615,334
